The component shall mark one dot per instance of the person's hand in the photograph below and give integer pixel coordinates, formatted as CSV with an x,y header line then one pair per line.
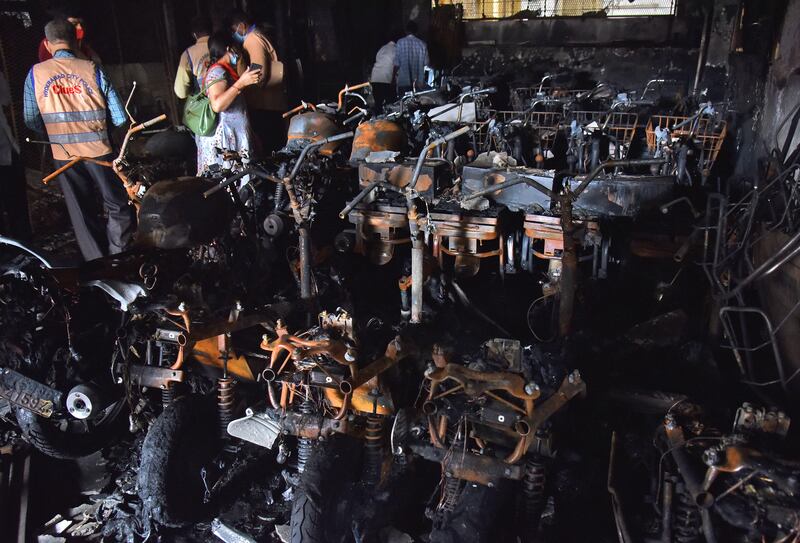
x,y
250,77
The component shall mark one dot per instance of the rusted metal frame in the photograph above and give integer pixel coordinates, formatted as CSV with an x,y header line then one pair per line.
x,y
508,184
613,164
431,146
571,386
347,90
364,193
359,378
311,426
469,466
113,165
445,250
154,377
437,431
448,392
568,283
702,498
477,382
518,409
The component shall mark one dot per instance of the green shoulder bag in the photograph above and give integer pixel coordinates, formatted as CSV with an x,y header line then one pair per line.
x,y
197,113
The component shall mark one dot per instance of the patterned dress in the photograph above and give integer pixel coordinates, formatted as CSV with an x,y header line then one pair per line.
x,y
233,129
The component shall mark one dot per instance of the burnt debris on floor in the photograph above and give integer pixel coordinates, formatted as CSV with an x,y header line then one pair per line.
x,y
551,298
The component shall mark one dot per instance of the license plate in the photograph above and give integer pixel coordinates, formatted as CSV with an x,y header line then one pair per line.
x,y
28,394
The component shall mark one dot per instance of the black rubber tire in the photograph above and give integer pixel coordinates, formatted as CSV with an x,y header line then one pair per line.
x,y
52,442
319,508
182,440
475,518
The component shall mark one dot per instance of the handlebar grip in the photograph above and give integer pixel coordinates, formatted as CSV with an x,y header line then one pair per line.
x,y
232,179
291,112
359,86
255,172
151,122
61,170
339,137
460,132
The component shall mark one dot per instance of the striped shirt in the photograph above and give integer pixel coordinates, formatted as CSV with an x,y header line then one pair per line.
x,y
411,57
30,108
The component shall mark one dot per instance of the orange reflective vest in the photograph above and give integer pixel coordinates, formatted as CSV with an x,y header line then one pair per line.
x,y
72,106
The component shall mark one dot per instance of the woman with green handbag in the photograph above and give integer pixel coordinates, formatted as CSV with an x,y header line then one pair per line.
x,y
223,87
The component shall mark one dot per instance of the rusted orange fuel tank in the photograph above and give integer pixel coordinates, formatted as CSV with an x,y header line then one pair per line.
x,y
377,135
310,127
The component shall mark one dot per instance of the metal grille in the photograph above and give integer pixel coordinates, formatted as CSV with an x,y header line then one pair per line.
x,y
501,9
708,133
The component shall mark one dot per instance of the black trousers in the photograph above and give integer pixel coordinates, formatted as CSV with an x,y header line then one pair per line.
x,y
80,185
270,129
15,221
383,93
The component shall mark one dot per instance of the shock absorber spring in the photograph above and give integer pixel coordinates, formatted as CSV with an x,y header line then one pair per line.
x,y
304,444
226,397
533,498
687,524
167,394
451,490
373,450
280,189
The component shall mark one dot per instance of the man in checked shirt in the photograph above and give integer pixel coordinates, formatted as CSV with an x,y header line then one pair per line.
x,y
411,57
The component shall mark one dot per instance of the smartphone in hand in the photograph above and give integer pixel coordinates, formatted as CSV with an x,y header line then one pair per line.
x,y
255,66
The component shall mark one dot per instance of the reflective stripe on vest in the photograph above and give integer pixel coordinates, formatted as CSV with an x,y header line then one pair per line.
x,y
74,116
72,107
83,137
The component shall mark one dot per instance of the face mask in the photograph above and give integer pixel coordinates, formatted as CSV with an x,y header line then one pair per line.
x,y
238,37
234,58
79,33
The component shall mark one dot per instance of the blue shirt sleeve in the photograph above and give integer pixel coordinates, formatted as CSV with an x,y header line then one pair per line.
x,y
115,106
30,109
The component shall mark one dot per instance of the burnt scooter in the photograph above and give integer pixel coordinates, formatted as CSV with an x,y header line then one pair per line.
x,y
485,416
173,218
201,346
57,333
331,391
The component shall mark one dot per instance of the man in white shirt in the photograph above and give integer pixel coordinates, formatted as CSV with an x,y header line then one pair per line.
x,y
383,75
14,219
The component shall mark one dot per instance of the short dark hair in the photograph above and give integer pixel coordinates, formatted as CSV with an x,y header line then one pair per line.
x,y
411,27
200,25
218,45
60,30
237,16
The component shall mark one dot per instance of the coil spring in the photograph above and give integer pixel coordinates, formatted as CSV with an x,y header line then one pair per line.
x,y
304,444
226,397
167,395
280,189
373,450
399,439
687,525
533,497
450,494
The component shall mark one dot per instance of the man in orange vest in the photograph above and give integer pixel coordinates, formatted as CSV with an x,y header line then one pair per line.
x,y
71,99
